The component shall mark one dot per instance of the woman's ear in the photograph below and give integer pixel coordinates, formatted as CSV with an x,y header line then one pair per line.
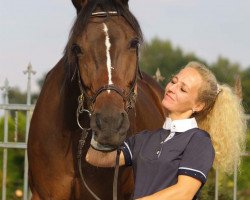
x,y
198,106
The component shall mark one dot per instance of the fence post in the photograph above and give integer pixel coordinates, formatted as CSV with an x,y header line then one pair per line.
x,y
5,140
29,72
216,184
235,180
238,91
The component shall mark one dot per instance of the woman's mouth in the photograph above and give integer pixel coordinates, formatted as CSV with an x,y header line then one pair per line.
x,y
168,96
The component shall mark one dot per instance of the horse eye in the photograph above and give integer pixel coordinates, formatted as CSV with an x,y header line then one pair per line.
x,y
134,44
76,49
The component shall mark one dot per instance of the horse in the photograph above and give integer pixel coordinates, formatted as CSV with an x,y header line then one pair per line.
x,y
97,85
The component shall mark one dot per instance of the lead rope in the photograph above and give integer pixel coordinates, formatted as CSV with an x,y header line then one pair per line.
x,y
81,143
115,181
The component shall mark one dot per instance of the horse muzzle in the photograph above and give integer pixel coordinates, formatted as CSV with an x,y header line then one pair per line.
x,y
101,147
108,131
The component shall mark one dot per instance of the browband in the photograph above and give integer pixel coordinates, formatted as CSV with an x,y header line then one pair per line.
x,y
103,13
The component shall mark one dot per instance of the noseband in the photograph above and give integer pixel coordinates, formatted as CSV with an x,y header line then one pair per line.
x,y
86,103
129,99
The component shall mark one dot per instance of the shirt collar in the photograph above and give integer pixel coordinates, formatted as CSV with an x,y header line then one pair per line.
x,y
181,125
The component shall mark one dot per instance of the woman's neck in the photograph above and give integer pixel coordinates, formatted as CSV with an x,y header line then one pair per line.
x,y
178,116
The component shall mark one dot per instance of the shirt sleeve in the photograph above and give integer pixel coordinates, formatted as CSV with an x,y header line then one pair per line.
x,y
198,157
131,147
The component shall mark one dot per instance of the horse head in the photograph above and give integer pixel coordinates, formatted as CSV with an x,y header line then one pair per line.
x,y
103,51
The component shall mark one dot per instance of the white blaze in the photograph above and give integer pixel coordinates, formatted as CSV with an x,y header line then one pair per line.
x,y
108,45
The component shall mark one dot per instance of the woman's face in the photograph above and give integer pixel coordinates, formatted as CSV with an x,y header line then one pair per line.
x,y
181,94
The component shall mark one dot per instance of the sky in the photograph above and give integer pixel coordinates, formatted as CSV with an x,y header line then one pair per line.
x,y
36,32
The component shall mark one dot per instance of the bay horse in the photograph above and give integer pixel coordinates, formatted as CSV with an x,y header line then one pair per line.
x,y
98,74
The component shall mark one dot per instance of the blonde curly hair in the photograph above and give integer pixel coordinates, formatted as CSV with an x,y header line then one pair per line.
x,y
222,117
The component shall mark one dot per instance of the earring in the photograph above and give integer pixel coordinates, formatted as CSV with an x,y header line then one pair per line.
x,y
193,111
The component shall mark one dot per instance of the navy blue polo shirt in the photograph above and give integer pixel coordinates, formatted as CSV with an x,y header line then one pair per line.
x,y
158,157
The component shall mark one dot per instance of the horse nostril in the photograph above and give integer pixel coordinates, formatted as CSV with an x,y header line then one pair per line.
x,y
94,134
98,120
120,121
106,122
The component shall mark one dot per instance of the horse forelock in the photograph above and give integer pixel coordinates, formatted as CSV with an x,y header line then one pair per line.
x,y
80,25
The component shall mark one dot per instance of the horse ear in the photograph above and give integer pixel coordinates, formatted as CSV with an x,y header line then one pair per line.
x,y
124,2
135,90
79,4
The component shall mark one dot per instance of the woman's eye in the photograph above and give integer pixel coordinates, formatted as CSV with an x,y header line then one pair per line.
x,y
183,90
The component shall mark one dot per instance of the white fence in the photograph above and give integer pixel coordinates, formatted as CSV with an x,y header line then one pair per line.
x,y
6,144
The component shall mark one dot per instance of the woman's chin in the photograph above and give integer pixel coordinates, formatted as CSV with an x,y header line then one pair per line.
x,y
166,104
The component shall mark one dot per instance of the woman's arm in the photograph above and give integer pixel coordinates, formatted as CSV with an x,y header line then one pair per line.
x,y
103,159
184,189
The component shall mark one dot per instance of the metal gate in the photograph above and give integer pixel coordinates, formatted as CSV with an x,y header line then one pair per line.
x,y
6,144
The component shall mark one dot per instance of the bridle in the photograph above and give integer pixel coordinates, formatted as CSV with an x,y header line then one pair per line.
x,y
129,99
86,103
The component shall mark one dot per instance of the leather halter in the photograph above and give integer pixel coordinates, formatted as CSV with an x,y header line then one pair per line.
x,y
129,99
84,99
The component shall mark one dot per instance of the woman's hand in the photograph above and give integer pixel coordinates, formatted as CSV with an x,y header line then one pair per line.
x,y
103,159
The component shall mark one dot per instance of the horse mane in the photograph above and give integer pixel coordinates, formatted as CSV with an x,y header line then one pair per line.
x,y
81,23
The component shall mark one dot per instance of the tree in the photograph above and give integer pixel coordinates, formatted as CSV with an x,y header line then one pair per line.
x,y
225,71
161,54
245,77
16,96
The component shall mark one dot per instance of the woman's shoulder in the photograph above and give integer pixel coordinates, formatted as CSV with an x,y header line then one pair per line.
x,y
201,133
200,137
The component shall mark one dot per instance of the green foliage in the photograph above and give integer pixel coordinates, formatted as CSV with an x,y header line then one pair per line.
x,y
11,127
161,54
208,191
244,176
245,77
16,96
225,71
15,166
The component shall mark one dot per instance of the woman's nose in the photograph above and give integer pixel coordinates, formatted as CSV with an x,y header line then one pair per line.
x,y
172,88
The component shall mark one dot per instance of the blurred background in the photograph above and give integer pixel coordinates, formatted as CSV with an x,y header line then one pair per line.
x,y
34,33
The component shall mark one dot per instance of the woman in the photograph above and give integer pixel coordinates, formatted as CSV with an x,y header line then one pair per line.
x,y
173,162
